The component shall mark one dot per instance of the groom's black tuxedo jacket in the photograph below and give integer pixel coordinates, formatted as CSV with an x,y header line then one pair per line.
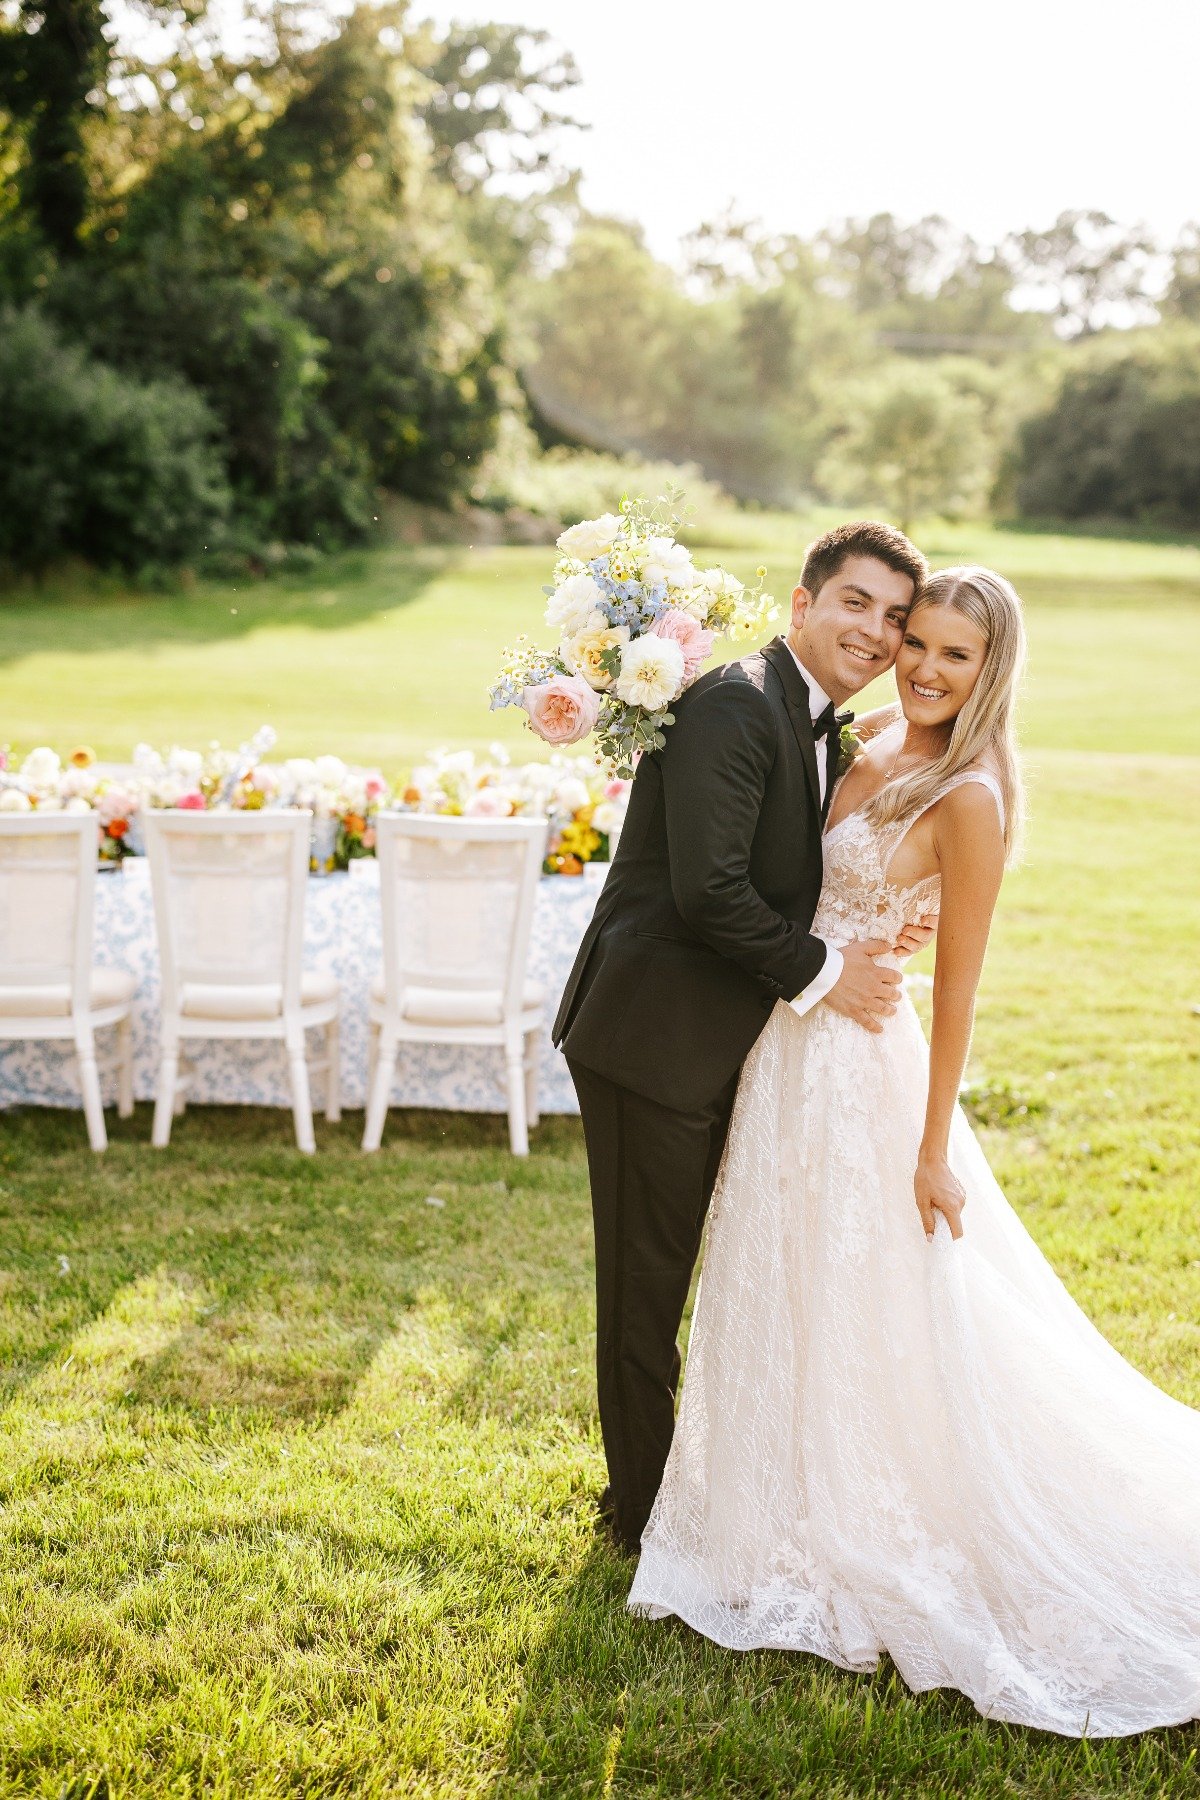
x,y
703,922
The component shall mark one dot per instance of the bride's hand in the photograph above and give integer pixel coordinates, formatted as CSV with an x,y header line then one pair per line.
x,y
915,937
939,1190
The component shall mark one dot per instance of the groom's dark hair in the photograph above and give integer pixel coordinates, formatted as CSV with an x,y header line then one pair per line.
x,y
862,537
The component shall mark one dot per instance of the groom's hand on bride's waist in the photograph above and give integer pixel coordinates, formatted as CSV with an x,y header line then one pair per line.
x,y
863,991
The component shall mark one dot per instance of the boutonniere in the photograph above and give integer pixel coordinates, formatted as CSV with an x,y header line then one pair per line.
x,y
850,748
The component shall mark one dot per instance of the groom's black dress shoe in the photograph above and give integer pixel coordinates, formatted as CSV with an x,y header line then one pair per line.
x,y
607,1527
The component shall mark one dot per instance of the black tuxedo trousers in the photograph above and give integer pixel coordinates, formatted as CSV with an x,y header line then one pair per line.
x,y
702,926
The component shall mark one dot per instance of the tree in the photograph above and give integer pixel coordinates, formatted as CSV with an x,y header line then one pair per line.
x,y
1085,269
913,441
1121,439
53,62
1182,298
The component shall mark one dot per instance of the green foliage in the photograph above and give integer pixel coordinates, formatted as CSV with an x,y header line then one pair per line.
x,y
96,464
1122,437
732,378
562,485
53,62
914,440
267,231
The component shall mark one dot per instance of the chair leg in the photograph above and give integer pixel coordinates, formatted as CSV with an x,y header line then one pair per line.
x,y
384,1074
531,1080
372,1053
89,1081
125,1067
333,1073
518,1134
301,1098
164,1099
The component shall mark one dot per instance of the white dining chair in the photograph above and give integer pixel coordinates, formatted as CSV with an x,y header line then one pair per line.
x,y
229,911
457,898
49,986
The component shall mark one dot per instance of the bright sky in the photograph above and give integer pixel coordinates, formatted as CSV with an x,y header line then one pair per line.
x,y
997,115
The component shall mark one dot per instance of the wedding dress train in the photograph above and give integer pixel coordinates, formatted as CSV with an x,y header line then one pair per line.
x,y
884,1445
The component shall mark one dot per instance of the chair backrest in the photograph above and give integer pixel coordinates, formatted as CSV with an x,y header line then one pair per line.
x,y
47,896
457,899
229,899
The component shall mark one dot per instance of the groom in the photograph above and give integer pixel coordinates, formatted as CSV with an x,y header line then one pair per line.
x,y
702,925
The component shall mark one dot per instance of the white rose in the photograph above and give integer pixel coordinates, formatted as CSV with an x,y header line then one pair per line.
x,y
147,761
720,581
169,790
590,538
187,764
651,673
12,800
667,564
572,604
607,817
570,795
695,602
41,769
584,652
78,783
330,771
50,803
77,805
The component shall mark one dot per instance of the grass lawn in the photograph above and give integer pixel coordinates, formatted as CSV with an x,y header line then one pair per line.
x,y
383,655
296,1467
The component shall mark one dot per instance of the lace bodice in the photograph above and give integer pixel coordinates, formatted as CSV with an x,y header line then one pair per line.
x,y
857,899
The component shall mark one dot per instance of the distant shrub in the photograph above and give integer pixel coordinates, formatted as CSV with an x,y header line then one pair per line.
x,y
1121,440
95,464
564,484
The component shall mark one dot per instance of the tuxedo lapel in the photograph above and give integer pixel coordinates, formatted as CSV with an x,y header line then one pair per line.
x,y
795,693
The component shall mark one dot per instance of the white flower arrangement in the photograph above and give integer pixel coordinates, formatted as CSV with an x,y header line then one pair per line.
x,y
582,804
635,621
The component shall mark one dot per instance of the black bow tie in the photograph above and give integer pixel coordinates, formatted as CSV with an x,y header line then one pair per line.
x,y
829,722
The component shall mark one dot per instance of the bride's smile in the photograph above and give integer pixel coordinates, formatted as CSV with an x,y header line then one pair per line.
x,y
937,665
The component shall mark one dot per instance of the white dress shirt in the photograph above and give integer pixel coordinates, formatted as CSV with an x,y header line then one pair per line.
x,y
821,983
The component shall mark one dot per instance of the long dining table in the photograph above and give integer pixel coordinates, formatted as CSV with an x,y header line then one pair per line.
x,y
342,937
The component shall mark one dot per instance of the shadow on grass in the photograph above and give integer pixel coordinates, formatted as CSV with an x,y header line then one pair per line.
x,y
305,1264
618,1705
345,591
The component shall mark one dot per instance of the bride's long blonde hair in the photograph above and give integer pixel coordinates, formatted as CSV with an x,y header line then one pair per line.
x,y
983,731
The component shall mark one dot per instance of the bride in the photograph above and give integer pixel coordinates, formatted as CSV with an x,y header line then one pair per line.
x,y
898,1432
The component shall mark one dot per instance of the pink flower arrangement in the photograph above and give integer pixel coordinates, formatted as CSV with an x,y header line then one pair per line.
x,y
192,802
678,627
562,710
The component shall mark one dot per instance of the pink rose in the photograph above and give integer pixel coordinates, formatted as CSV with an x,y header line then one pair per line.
x,y
616,789
374,785
488,803
193,802
116,803
696,643
562,710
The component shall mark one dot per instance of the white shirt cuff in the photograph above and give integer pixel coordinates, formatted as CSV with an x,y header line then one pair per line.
x,y
820,984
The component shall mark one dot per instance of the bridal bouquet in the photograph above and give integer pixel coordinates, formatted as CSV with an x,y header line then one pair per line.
x,y
635,622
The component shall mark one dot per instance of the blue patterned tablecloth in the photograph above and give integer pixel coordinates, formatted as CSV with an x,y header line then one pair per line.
x,y
341,936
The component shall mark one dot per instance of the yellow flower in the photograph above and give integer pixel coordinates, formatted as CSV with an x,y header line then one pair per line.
x,y
83,757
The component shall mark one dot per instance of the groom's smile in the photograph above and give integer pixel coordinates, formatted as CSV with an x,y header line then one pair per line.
x,y
850,630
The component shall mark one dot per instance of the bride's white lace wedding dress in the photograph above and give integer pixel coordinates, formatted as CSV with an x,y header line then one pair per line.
x,y
885,1445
